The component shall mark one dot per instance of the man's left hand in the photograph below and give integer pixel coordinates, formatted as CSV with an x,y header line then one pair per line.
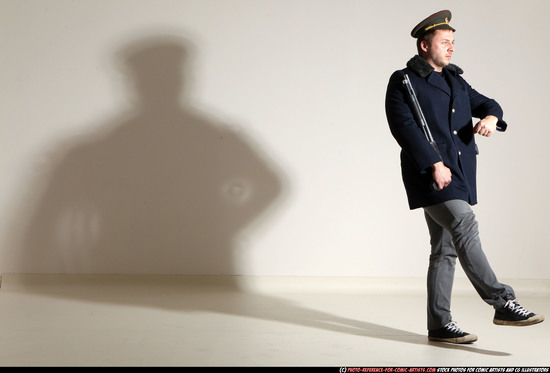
x,y
487,126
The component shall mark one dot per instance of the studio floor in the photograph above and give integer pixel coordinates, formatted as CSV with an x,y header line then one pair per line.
x,y
100,320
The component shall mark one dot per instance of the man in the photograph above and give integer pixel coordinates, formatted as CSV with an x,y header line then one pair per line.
x,y
448,103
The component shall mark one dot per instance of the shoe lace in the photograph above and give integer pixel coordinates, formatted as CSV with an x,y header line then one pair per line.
x,y
452,327
515,307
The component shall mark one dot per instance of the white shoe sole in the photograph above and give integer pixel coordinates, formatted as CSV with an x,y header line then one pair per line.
x,y
469,338
530,321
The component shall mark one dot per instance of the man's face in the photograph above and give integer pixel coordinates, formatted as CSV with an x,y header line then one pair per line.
x,y
439,52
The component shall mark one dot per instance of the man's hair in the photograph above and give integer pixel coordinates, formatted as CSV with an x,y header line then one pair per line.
x,y
428,36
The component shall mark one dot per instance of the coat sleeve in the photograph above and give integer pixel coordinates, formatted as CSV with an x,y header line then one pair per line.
x,y
404,127
483,106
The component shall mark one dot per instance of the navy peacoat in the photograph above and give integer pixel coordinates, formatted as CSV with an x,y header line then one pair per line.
x,y
449,103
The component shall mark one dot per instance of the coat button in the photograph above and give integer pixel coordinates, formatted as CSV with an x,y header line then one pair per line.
x,y
459,152
455,132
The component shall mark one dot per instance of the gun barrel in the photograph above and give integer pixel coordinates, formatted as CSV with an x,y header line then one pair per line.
x,y
420,114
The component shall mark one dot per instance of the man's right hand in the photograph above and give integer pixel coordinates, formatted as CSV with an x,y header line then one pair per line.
x,y
441,174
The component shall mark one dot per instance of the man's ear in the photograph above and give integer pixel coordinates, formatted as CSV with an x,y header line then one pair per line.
x,y
424,45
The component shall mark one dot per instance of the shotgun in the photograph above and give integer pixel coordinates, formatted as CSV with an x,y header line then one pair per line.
x,y
421,120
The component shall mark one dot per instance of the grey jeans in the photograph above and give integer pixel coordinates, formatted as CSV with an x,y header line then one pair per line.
x,y
454,232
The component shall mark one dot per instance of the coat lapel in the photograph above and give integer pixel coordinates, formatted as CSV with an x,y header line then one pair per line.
x,y
456,87
438,81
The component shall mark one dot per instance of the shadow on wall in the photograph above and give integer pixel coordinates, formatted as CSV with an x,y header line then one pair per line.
x,y
162,188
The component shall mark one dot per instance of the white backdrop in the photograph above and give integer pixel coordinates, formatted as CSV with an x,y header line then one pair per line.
x,y
269,154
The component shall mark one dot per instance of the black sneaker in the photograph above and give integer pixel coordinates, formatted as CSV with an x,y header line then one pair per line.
x,y
515,315
451,333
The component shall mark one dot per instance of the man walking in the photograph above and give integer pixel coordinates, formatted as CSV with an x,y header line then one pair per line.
x,y
443,182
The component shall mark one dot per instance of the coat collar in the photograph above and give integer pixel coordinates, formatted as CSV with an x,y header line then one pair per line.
x,y
421,67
